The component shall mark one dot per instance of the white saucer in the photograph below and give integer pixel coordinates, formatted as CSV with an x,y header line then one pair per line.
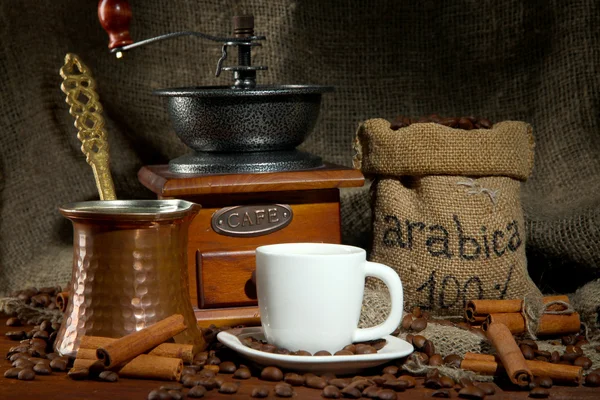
x,y
340,365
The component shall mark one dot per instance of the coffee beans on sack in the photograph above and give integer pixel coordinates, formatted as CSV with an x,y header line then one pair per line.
x,y
446,210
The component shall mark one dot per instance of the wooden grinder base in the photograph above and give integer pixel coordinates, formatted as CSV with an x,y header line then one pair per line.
x,y
220,266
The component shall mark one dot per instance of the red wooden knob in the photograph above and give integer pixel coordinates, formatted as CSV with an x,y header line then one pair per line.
x,y
115,16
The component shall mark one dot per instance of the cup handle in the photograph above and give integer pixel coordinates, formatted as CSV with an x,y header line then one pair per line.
x,y
392,281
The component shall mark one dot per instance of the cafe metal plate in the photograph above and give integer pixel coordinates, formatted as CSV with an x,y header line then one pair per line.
x,y
252,220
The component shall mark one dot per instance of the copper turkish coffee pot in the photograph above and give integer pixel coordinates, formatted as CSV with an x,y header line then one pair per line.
x,y
129,256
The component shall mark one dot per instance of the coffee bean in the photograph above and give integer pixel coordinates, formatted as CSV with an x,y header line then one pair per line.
x,y
568,340
220,381
78,374
574,349
294,379
208,382
188,370
411,382
175,394
387,394
339,383
471,392
159,394
260,392
418,324
451,122
168,386
229,387
272,374
429,348
16,356
301,353
583,362
485,123
22,363
371,392
328,377
26,374
285,352
322,353
343,353
527,352
227,367
465,123
391,369
442,393
436,360
409,338
212,368
351,392
268,348
14,321
42,369
539,393
406,321
570,357
41,335
487,388
12,372
593,380
58,364
419,342
365,349
544,382
110,376
397,385
433,382
315,382
350,347
453,360
283,390
447,382
362,383
331,392
195,392
385,377
213,361
242,373
16,335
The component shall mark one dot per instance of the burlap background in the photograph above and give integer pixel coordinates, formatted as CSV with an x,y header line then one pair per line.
x,y
520,60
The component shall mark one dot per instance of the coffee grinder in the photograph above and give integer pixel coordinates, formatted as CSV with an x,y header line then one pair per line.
x,y
254,186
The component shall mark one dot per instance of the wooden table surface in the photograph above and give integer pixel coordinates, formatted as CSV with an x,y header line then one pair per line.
x,y
58,386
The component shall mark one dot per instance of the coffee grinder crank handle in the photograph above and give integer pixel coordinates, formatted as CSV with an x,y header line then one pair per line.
x,y
115,17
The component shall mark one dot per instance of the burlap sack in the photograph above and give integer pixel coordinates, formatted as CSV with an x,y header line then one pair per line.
x,y
447,212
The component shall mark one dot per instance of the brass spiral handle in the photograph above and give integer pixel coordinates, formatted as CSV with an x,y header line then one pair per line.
x,y
79,86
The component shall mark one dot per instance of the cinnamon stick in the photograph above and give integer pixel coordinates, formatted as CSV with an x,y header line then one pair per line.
x,y
86,354
94,342
153,367
509,353
136,343
549,324
557,372
476,308
62,301
175,350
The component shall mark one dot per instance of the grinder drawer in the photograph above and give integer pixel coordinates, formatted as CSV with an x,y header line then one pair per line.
x,y
224,278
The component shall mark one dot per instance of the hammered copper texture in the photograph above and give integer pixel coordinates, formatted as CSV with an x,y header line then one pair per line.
x,y
127,275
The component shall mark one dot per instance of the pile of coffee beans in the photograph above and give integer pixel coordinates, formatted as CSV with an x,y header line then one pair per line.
x,y
369,347
41,298
33,355
466,123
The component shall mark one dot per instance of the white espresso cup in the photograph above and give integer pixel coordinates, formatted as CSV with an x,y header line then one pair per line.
x,y
310,295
